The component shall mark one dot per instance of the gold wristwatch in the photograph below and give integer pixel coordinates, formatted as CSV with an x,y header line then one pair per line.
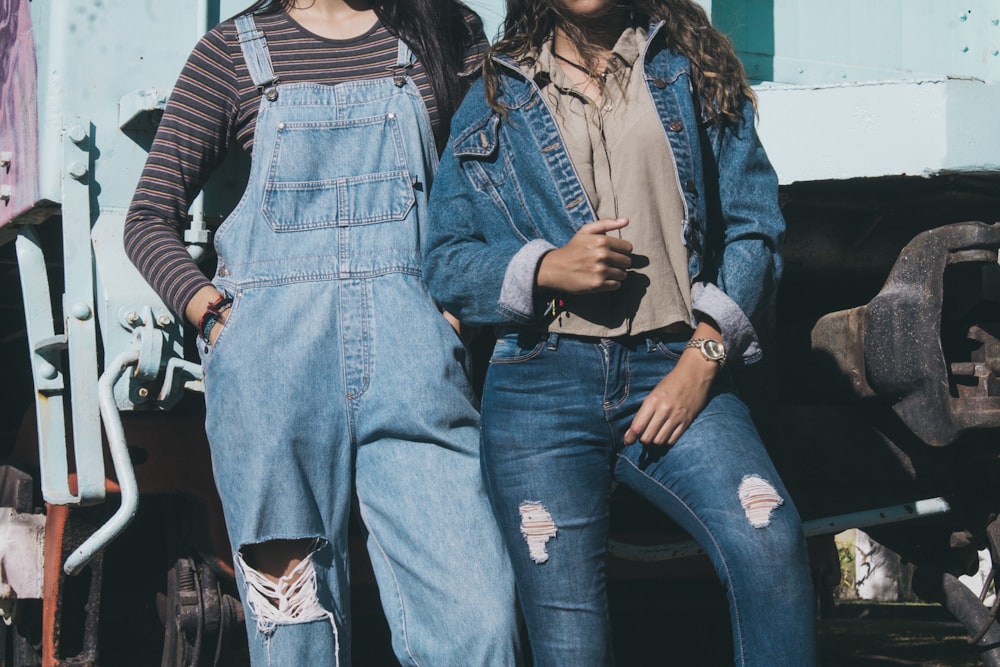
x,y
711,349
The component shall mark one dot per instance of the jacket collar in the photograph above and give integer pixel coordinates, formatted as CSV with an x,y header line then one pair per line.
x,y
518,88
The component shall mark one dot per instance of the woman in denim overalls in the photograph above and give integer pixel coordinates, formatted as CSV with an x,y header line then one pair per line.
x,y
328,368
605,205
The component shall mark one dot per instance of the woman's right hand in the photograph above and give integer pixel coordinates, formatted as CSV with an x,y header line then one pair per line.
x,y
217,329
196,308
591,262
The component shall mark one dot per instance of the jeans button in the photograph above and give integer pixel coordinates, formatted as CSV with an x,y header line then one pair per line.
x,y
675,126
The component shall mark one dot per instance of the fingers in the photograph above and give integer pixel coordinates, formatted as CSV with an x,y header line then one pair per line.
x,y
659,432
619,250
603,226
652,426
590,262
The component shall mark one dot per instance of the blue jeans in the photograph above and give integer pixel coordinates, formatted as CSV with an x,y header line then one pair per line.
x,y
555,409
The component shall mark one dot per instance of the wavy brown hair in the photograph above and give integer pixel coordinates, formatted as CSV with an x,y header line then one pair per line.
x,y
716,71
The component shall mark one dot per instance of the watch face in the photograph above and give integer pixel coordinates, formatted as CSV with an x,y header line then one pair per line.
x,y
713,349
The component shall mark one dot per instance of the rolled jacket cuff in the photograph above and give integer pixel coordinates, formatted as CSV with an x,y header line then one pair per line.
x,y
518,289
738,333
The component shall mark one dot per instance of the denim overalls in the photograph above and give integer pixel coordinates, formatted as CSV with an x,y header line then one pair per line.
x,y
336,372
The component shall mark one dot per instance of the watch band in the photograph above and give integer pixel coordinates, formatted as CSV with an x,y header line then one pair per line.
x,y
710,348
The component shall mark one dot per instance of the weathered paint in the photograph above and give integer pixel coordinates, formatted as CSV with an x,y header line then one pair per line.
x,y
18,111
867,130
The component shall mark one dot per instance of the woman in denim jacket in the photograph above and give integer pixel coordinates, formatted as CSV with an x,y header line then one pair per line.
x,y
605,206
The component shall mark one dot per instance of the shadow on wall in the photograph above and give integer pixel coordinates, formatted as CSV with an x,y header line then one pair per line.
x,y
750,26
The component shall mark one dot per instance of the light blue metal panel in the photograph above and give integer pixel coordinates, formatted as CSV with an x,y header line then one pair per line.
x,y
899,128
805,41
91,55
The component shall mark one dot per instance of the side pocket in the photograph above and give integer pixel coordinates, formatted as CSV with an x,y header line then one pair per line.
x,y
208,352
515,348
671,350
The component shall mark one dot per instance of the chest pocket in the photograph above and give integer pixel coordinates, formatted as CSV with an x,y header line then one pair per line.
x,y
491,173
336,174
480,158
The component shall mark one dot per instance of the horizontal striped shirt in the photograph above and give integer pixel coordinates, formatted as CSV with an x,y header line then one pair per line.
x,y
214,106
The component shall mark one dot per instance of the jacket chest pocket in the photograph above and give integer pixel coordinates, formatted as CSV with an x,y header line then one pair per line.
x,y
337,173
492,174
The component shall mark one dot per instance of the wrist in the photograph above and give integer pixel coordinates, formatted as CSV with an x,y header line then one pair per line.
x,y
711,349
213,315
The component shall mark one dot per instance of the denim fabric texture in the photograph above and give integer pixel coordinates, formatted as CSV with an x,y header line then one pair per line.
x,y
555,410
507,192
336,375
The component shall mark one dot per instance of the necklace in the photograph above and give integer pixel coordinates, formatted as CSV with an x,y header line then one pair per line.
x,y
592,75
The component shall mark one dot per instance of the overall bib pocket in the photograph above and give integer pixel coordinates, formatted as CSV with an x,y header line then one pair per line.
x,y
306,189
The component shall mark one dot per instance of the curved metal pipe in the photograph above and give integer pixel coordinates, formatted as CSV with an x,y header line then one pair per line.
x,y
123,466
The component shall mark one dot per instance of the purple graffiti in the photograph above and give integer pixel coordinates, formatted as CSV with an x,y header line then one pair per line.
x,y
10,10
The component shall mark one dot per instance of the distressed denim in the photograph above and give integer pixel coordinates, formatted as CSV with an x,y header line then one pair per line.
x,y
555,410
335,374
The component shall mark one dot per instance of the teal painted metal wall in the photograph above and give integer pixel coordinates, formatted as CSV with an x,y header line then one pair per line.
x,y
808,41
101,61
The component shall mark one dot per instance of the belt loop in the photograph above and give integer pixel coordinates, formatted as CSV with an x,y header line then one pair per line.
x,y
651,344
553,342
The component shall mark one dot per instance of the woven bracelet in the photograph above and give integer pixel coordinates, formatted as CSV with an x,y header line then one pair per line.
x,y
213,315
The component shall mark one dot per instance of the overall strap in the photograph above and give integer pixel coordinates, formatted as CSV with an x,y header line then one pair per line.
x,y
254,47
404,61
404,56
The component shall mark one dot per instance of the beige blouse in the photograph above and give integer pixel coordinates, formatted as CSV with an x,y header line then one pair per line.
x,y
623,159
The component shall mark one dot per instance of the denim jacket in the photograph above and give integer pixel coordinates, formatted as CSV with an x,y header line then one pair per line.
x,y
506,193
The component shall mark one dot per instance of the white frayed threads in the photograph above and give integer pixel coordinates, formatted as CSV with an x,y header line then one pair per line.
x,y
759,500
538,528
292,599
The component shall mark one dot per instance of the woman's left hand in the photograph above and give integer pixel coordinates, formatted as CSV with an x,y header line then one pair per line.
x,y
678,398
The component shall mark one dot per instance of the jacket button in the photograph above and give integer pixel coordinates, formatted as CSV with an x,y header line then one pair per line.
x,y
659,83
676,126
690,185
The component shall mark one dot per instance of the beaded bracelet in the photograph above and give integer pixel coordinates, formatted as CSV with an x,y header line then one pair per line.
x,y
213,315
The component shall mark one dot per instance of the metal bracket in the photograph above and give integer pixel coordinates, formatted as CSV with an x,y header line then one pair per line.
x,y
891,348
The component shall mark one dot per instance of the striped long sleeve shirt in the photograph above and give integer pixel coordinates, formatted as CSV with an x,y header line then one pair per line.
x,y
213,107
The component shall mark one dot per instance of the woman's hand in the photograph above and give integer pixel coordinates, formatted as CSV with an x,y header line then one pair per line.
x,y
591,262
674,403
217,329
196,308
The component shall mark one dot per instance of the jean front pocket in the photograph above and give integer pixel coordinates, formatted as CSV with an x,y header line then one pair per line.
x,y
337,173
515,348
671,350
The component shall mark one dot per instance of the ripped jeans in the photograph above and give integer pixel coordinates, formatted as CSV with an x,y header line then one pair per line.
x,y
555,410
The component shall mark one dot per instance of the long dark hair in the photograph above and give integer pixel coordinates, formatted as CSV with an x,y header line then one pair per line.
x,y
715,68
436,31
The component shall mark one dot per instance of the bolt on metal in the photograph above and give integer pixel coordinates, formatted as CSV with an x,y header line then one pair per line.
x,y
78,170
